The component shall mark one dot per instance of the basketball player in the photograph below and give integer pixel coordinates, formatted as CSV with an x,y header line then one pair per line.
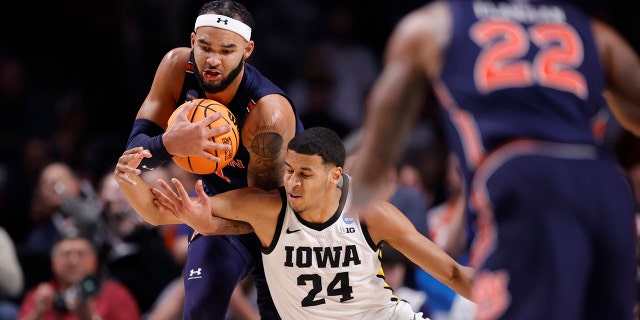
x,y
320,260
215,68
519,83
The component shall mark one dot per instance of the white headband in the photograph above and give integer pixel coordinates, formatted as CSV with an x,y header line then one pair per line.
x,y
224,22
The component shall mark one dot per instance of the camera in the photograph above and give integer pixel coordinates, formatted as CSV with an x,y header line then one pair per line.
x,y
88,287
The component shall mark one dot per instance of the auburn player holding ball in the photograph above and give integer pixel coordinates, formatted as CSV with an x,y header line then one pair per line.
x,y
519,83
215,68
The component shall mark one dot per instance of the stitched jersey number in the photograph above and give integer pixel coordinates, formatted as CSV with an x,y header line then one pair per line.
x,y
501,62
339,286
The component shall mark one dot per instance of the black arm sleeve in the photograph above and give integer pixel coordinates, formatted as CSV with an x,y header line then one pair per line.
x,y
147,134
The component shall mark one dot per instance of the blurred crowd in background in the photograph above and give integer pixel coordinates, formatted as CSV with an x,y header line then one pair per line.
x,y
74,73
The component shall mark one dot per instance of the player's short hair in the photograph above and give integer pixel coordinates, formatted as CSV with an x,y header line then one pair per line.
x,y
320,141
230,9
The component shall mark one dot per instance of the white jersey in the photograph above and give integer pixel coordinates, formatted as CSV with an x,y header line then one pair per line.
x,y
330,270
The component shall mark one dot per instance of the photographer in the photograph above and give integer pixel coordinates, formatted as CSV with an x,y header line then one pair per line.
x,y
76,291
62,203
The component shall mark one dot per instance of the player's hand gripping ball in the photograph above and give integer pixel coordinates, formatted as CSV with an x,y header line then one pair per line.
x,y
202,109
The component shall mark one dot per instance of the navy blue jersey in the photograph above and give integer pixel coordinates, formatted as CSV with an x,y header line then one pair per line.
x,y
252,87
516,70
216,264
520,88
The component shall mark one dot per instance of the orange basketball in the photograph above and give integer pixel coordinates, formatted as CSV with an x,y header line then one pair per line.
x,y
202,109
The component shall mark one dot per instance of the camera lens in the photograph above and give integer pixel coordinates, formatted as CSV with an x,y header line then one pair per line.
x,y
59,304
89,286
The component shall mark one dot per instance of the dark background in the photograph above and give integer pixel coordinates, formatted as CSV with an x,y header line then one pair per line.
x,y
74,73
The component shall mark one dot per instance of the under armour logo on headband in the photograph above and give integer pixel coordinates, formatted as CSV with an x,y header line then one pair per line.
x,y
223,22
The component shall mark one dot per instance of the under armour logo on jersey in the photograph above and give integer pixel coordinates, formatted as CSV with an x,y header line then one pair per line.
x,y
225,21
196,272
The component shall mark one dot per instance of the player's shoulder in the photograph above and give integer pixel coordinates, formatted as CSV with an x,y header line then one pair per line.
x,y
425,28
274,108
176,57
426,17
377,212
274,102
605,35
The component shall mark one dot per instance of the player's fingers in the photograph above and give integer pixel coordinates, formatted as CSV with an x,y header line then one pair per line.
x,y
200,190
208,153
120,175
127,164
216,130
161,200
169,194
133,157
184,113
212,145
210,119
133,150
182,192
126,168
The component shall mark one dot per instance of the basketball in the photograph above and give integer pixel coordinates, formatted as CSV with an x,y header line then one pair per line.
x,y
202,109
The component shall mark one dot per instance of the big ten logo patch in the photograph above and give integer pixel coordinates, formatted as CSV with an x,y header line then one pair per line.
x,y
347,230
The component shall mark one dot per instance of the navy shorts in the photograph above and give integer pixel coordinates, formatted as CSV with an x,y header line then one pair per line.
x,y
214,266
555,237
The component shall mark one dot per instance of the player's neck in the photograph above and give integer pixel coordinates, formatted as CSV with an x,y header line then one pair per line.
x,y
225,96
325,209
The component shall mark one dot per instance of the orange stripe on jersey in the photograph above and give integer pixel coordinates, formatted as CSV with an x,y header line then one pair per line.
x,y
465,125
250,105
194,235
486,234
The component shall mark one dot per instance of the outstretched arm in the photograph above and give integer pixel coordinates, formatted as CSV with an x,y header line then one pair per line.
x,y
256,208
386,223
412,59
144,198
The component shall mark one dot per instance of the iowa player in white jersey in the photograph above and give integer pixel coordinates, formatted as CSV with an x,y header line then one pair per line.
x,y
321,262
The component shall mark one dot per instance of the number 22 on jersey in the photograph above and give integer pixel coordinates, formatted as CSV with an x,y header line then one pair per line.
x,y
502,60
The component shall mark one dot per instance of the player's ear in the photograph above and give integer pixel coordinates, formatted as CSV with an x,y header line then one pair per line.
x,y
336,175
248,49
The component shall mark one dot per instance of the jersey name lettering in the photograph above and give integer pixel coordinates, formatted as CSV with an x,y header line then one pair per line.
x,y
305,257
522,12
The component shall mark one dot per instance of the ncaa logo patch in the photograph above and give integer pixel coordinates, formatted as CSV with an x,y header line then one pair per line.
x,y
346,218
191,94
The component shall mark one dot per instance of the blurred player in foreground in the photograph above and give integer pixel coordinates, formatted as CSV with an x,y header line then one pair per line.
x,y
321,261
519,84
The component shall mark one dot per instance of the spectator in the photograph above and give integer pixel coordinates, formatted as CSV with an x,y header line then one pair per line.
x,y
62,203
11,277
135,249
77,290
